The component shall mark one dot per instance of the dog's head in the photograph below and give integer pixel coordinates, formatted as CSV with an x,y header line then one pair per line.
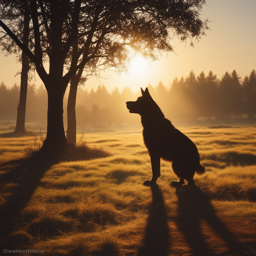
x,y
144,105
140,104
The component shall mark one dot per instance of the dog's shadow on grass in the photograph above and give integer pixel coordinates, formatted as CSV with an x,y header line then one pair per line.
x,y
194,206
157,236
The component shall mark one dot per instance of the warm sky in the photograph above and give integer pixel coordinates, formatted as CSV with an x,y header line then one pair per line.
x,y
229,44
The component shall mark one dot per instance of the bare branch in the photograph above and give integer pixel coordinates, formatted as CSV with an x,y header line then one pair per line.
x,y
38,49
18,42
74,30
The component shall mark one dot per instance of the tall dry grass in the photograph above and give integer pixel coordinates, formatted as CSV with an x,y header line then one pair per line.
x,y
100,207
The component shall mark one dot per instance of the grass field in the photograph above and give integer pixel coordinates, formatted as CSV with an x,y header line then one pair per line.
x,y
100,207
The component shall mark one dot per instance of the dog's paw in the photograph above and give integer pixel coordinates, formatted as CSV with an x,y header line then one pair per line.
x,y
149,183
176,184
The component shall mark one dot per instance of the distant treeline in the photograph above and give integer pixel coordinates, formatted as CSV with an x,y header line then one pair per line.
x,y
190,98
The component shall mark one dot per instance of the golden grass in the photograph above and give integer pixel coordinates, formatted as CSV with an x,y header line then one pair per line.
x,y
100,207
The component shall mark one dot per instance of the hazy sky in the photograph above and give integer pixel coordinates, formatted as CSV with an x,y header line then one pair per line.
x,y
229,44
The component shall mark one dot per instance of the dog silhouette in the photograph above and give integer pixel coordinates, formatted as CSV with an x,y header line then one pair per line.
x,y
164,141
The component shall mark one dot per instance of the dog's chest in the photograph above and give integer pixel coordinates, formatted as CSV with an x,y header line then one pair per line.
x,y
153,138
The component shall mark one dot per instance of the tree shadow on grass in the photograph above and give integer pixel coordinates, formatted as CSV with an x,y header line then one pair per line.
x,y
157,236
194,206
20,179
26,174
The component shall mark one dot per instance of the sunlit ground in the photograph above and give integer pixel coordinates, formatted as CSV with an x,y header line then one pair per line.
x,y
100,207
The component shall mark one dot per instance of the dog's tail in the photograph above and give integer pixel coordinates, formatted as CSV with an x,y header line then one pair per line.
x,y
200,169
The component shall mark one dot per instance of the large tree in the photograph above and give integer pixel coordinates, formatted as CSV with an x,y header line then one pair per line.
x,y
74,34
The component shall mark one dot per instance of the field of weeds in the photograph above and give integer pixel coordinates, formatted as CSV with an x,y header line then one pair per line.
x,y
100,207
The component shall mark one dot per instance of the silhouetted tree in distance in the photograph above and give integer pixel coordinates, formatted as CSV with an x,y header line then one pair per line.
x,y
249,94
212,97
8,101
105,32
230,91
237,92
201,89
100,109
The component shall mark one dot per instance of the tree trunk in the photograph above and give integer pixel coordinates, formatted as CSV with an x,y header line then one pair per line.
x,y
71,111
21,110
56,140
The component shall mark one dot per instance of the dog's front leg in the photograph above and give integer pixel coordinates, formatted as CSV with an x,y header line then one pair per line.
x,y
155,164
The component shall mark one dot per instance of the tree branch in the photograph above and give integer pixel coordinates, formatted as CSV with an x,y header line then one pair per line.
x,y
38,50
18,42
73,66
74,30
44,18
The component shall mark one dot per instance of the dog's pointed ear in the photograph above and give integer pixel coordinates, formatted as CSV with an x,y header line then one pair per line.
x,y
142,92
146,91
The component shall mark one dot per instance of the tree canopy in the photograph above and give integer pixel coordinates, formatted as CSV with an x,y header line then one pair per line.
x,y
95,34
78,32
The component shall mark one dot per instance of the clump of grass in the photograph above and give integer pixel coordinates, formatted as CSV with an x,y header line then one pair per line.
x,y
82,244
20,237
66,183
232,184
240,209
83,152
126,160
72,152
119,175
46,227
108,246
35,147
223,158
98,212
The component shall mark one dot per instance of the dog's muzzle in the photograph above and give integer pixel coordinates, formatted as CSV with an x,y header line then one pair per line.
x,y
131,106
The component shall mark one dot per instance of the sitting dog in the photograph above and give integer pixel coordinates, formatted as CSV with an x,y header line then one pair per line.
x,y
164,141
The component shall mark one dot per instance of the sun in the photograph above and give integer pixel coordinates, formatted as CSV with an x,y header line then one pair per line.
x,y
138,66
139,70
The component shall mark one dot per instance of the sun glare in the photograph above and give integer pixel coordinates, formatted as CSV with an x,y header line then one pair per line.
x,y
139,71
138,65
